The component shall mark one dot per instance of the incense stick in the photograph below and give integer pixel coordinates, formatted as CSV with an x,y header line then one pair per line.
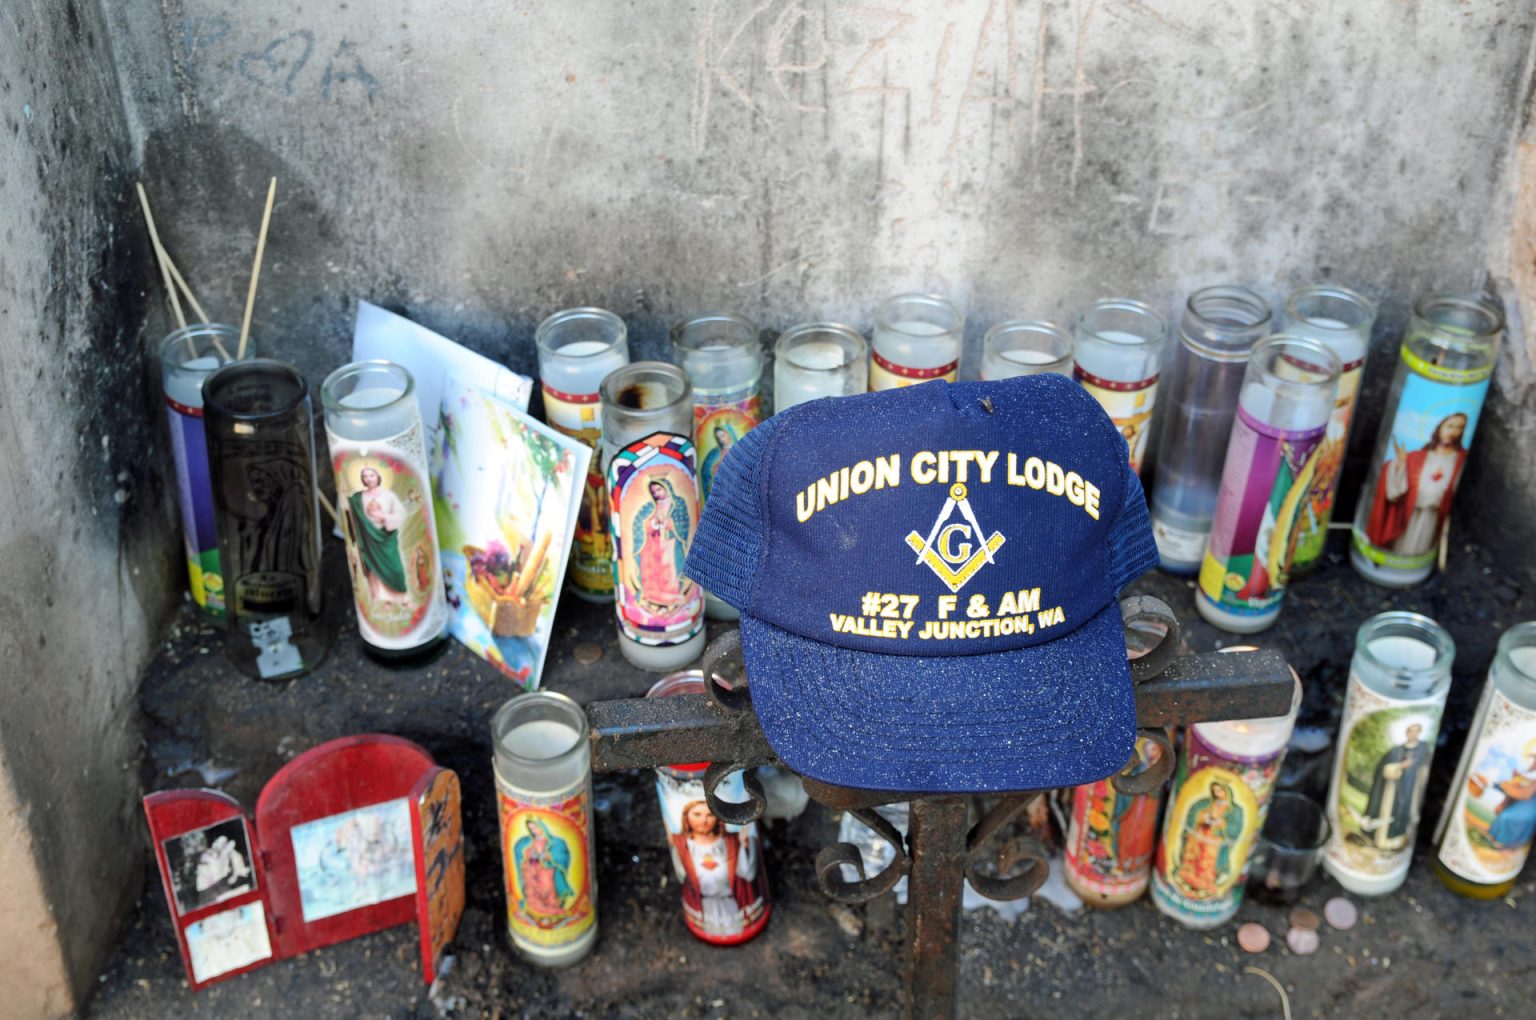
x,y
161,260
261,247
329,508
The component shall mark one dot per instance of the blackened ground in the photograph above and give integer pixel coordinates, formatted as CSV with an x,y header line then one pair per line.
x,y
1421,952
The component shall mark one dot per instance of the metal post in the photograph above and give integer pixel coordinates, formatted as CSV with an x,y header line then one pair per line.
x,y
937,837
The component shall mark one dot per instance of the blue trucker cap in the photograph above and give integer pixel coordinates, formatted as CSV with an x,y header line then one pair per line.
x,y
928,582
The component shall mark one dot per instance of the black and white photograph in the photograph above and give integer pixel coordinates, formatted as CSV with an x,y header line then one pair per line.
x,y
209,865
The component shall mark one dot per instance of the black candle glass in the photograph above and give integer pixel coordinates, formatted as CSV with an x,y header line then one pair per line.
x,y
261,459
1289,849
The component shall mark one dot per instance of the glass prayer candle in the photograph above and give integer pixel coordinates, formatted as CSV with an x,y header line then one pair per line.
x,y
1286,856
917,338
384,496
578,347
187,357
724,363
1025,347
1118,356
261,460
1219,328
1216,810
543,767
1341,320
1443,370
1489,817
653,495
818,359
718,866
1282,412
1111,835
1398,681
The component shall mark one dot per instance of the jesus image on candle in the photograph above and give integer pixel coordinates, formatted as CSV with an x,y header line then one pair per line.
x,y
661,536
376,515
719,871
1413,492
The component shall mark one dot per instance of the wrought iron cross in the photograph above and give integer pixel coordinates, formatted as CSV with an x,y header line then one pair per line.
x,y
939,852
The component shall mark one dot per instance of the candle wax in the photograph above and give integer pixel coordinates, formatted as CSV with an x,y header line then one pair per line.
x,y
1027,357
580,367
1400,652
906,344
185,385
1117,355
817,356
1524,660
373,396
541,739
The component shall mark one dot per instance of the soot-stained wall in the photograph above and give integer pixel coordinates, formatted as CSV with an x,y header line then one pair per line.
x,y
86,537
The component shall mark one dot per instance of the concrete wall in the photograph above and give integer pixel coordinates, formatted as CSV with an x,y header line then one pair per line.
x,y
85,533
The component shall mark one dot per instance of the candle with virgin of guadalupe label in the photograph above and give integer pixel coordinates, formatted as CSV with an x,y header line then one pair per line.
x,y
187,357
653,495
724,363
383,486
1398,681
1341,320
1216,809
1437,394
1282,412
543,769
1485,832
1200,390
719,866
578,347
917,338
1118,358
1111,835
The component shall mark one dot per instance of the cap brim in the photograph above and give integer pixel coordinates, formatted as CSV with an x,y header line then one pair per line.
x,y
1058,714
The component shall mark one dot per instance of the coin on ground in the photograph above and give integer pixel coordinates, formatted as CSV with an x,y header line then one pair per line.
x,y
1306,919
1341,913
1303,941
1253,937
587,653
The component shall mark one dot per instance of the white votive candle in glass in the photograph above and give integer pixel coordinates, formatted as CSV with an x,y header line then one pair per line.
x,y
917,338
1118,357
578,347
818,359
1025,347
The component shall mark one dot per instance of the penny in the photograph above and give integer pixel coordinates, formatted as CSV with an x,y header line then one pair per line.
x,y
587,653
1305,919
1341,913
1253,937
1303,941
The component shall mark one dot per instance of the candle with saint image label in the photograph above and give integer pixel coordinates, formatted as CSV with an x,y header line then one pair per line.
x,y
384,491
1341,320
1398,682
818,359
1443,371
1485,831
578,347
187,357
1118,357
1216,809
1218,330
1286,399
917,338
1025,347
543,770
653,493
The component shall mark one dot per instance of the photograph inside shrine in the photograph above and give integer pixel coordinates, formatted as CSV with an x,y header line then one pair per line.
x,y
987,509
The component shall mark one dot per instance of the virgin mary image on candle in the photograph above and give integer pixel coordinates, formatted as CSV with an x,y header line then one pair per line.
x,y
382,529
718,868
542,863
1414,490
1216,813
660,519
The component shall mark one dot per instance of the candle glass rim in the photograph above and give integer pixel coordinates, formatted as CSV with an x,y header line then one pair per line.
x,y
1331,365
1521,635
500,728
211,404
332,402
551,323
1352,298
176,340
1032,327
683,342
782,350
1425,629
607,389
1157,337
949,308
1294,797
1223,340
1430,310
